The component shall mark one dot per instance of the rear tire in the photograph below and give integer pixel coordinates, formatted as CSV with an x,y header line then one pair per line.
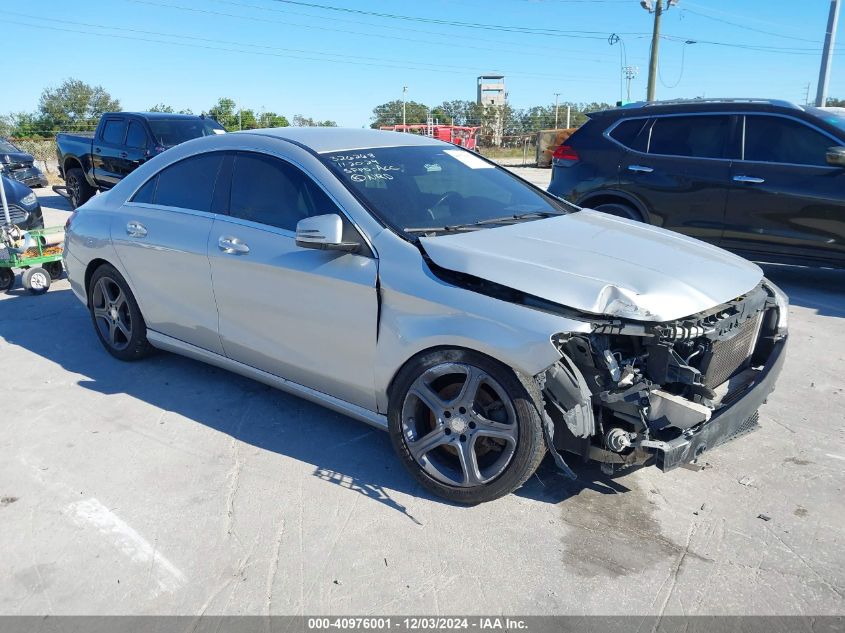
x,y
7,279
620,210
78,189
115,315
55,269
465,426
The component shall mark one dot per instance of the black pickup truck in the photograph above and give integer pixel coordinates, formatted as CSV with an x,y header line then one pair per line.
x,y
123,141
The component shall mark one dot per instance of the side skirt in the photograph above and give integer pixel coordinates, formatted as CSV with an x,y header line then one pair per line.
x,y
170,344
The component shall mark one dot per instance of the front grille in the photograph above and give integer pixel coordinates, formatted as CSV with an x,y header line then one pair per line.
x,y
17,214
728,355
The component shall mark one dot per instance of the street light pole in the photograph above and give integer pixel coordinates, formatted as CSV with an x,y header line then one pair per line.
x,y
655,44
404,90
827,55
557,94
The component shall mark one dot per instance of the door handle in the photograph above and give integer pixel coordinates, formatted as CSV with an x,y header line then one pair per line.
x,y
136,229
123,154
749,179
97,149
640,169
232,245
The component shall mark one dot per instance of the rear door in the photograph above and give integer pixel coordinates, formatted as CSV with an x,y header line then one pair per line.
x,y
108,144
785,201
678,166
306,315
161,237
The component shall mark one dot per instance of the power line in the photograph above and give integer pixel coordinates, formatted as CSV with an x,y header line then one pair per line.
x,y
380,35
750,28
472,25
286,53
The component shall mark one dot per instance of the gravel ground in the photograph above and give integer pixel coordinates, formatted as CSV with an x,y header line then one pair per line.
x,y
170,487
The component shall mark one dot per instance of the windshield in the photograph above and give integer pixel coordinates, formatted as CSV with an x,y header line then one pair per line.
x,y
170,132
430,188
6,146
834,116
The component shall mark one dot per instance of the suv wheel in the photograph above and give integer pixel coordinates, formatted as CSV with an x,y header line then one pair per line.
x,y
465,426
620,210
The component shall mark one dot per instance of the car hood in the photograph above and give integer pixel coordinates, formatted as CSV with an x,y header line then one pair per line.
x,y
14,190
600,264
17,157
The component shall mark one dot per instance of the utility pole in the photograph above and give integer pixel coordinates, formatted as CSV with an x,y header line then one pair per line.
x,y
827,54
404,90
655,44
557,94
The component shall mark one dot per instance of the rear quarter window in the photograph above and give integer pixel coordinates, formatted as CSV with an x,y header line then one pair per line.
x,y
632,134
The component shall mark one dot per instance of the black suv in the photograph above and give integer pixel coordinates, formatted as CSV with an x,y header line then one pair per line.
x,y
762,178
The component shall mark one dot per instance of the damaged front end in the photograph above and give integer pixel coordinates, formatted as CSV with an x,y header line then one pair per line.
x,y
633,393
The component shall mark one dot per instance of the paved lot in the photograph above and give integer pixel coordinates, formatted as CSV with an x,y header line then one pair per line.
x,y
171,487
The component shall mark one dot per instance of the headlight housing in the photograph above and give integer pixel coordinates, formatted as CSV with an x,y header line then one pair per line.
x,y
29,200
782,301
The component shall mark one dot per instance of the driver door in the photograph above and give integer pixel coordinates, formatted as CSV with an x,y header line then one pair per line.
x,y
305,315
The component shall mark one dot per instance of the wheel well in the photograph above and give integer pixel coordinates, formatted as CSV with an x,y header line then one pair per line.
x,y
93,265
71,163
440,348
610,198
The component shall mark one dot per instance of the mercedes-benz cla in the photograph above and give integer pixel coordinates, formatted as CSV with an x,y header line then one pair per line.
x,y
420,288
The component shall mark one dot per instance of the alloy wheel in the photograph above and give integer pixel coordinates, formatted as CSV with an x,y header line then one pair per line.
x,y
459,425
111,313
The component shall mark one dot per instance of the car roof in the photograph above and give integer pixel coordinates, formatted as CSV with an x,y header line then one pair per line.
x,y
160,115
700,105
335,139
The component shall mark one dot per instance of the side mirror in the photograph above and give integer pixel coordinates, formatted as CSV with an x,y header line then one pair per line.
x,y
323,232
836,156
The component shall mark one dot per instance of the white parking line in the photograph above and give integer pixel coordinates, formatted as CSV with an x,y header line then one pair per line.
x,y
93,513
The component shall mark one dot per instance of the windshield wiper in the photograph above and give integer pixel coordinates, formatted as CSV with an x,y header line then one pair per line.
x,y
471,226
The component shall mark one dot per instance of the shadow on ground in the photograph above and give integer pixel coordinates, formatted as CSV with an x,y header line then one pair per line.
x,y
821,289
344,452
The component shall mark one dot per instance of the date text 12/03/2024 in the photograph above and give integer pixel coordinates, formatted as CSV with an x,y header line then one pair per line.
x,y
437,623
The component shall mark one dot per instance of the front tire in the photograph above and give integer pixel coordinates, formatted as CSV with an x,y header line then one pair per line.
x,y
36,280
116,316
465,426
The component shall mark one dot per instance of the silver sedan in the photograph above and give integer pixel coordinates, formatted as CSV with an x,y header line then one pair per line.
x,y
420,288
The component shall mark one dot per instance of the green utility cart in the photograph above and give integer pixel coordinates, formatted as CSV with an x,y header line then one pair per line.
x,y
40,263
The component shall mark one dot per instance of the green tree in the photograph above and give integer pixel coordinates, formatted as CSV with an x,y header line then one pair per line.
x,y
271,119
224,113
836,103
390,113
160,107
301,121
74,105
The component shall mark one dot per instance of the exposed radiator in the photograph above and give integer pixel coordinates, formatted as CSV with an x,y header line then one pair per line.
x,y
728,355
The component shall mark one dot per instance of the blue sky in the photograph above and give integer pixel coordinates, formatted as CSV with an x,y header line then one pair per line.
x,y
298,59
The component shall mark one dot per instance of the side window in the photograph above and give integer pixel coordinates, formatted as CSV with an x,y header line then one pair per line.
x,y
113,131
146,192
189,184
695,136
273,192
632,134
775,139
136,137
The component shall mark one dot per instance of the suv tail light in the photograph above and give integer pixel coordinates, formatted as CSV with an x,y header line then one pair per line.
x,y
565,152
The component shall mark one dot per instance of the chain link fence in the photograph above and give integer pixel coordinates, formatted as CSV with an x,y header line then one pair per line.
x,y
44,152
